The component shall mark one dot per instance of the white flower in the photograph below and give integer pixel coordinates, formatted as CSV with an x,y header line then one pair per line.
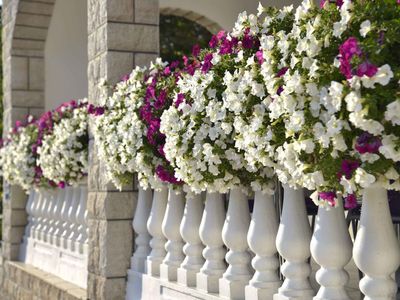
x,y
392,113
363,178
365,27
382,76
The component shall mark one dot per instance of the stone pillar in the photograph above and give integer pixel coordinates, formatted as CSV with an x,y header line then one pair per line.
x,y
25,25
121,34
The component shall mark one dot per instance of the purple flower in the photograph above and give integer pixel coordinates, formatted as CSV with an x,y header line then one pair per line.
x,y
350,201
161,99
282,72
160,150
61,184
339,3
165,176
213,42
366,68
347,51
167,71
179,99
196,50
279,91
248,41
99,111
259,56
226,47
348,167
152,131
207,63
367,143
330,197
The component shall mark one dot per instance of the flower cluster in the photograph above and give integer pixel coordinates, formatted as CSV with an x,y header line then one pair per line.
x,y
17,159
201,128
117,129
63,150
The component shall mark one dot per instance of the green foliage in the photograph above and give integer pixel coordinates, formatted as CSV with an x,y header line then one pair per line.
x,y
178,35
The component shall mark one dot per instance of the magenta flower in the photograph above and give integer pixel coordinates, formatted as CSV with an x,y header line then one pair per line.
x,y
179,99
348,167
166,176
330,197
366,68
259,56
206,66
350,201
367,143
347,51
196,50
61,184
282,72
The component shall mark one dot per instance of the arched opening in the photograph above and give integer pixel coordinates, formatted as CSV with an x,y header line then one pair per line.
x,y
66,55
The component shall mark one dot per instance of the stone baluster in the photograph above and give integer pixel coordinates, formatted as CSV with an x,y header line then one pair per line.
x,y
44,201
61,205
211,226
36,213
30,211
170,226
261,239
81,228
234,235
73,219
376,249
56,215
154,226
51,199
293,244
139,224
64,232
331,249
193,248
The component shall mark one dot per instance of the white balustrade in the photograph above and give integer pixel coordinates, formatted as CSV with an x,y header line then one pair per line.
x,y
234,235
261,239
293,244
139,223
154,226
211,226
51,215
193,248
170,228
376,249
331,249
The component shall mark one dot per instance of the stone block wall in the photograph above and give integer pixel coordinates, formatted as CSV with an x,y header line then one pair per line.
x,y
121,34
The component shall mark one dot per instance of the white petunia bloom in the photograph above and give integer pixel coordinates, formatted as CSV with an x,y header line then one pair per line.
x,y
365,27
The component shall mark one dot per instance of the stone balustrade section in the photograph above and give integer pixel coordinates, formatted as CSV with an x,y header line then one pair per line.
x,y
55,238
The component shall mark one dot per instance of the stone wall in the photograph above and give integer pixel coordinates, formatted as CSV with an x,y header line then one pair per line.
x,y
122,34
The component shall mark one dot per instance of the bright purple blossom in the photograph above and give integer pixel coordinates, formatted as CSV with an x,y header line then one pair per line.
x,y
161,99
166,176
282,72
366,68
350,201
206,66
179,99
367,143
61,184
348,167
338,3
347,51
330,197
196,50
260,57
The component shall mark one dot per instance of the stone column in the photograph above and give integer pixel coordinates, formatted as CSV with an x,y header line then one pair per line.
x,y
25,25
121,34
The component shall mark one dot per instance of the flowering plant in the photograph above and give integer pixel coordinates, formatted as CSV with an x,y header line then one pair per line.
x,y
63,151
339,98
17,159
128,135
200,128
117,129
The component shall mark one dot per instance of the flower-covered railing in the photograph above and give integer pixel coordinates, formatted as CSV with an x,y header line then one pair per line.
x,y
48,158
307,98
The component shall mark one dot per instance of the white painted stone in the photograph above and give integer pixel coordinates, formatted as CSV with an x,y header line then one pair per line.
x,y
261,239
154,226
81,227
293,244
139,223
64,226
234,235
170,227
211,226
193,248
72,219
376,249
331,248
